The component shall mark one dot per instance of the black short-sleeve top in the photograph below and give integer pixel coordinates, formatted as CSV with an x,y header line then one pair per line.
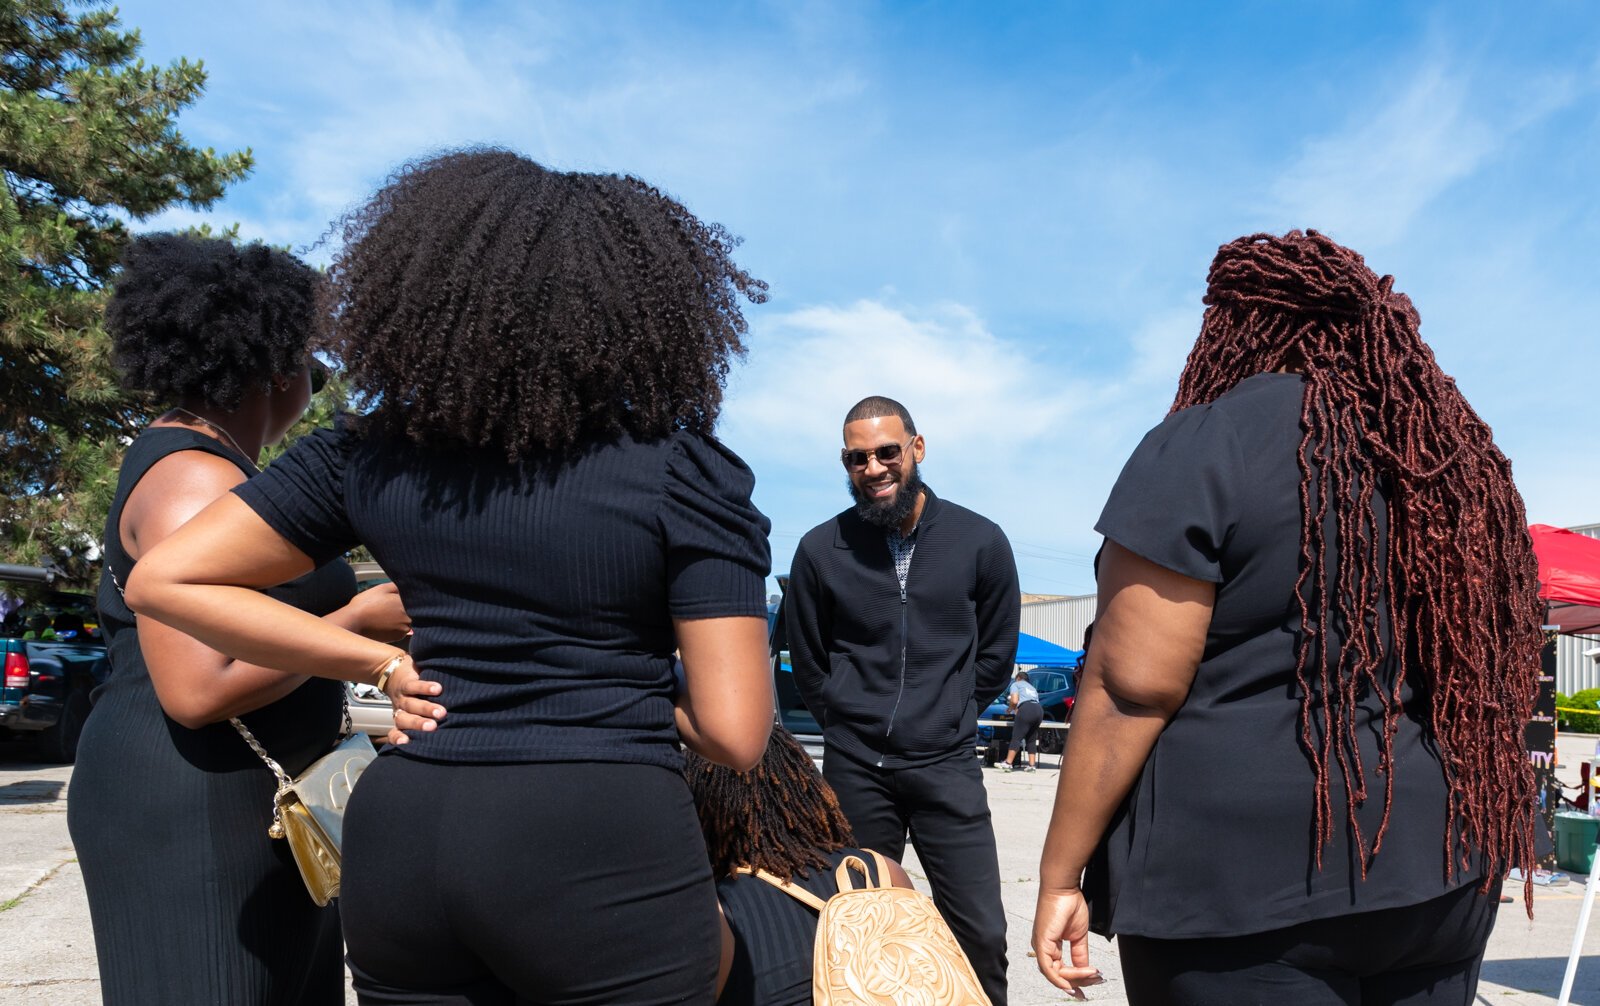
x,y
1217,836
774,934
541,595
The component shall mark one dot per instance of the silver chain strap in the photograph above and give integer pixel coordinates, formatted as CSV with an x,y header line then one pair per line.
x,y
285,784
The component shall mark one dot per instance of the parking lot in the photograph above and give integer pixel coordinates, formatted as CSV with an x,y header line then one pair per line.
x,y
49,952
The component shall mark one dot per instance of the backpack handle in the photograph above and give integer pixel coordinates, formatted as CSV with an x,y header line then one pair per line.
x,y
841,878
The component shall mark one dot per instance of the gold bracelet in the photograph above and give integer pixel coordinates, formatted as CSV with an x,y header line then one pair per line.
x,y
384,675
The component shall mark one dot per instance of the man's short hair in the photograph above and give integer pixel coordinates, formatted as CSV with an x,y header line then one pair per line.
x,y
878,407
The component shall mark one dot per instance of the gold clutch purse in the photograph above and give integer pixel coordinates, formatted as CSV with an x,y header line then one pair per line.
x,y
309,810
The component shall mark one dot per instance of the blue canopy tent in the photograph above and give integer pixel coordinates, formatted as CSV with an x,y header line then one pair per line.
x,y
1036,652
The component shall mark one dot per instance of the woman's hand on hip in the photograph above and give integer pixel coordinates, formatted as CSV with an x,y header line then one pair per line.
x,y
1062,916
414,708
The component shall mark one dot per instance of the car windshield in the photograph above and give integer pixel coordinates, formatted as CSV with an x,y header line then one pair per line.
x,y
54,616
1047,681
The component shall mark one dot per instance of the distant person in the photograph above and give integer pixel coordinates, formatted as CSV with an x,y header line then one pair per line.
x,y
781,817
903,615
1022,701
1296,767
545,351
190,899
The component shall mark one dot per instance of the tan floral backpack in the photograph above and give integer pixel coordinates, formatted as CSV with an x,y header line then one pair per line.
x,y
879,945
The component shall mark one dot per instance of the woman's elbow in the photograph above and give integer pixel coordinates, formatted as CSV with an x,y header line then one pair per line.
x,y
149,586
192,712
745,754
136,592
740,749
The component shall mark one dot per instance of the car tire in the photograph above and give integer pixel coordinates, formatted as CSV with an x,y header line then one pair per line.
x,y
60,743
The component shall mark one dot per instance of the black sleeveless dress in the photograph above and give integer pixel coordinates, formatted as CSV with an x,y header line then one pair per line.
x,y
191,901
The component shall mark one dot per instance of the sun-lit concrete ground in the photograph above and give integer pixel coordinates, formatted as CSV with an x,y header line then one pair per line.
x,y
48,955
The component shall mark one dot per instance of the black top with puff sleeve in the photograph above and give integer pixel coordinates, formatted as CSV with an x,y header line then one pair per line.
x,y
541,595
1217,836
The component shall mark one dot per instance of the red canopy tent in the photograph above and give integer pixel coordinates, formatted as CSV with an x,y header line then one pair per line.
x,y
1569,583
1569,578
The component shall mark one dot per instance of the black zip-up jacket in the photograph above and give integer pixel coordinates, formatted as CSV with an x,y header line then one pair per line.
x,y
897,680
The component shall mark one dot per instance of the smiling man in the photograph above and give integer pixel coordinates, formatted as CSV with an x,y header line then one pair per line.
x,y
903,616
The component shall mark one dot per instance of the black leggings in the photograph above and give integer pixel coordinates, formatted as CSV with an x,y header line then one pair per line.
x,y
511,884
1428,953
1025,727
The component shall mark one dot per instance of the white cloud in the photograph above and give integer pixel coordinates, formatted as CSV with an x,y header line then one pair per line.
x,y
352,90
942,363
1366,181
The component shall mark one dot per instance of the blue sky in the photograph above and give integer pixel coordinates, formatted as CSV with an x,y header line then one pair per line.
x,y
1000,214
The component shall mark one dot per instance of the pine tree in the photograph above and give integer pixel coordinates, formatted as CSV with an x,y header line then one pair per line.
x,y
88,143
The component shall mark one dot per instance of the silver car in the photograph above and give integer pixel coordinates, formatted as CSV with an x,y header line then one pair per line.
x,y
370,710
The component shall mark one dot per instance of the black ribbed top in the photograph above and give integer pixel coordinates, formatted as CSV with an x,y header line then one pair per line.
x,y
775,935
541,594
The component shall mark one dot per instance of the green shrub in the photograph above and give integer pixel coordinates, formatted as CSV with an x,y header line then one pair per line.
x,y
1583,723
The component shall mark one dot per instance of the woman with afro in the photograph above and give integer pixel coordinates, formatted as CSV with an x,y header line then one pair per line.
x,y
783,818
191,900
544,353
1296,771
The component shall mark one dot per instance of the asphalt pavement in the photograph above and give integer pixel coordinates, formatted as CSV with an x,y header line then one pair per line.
x,y
47,951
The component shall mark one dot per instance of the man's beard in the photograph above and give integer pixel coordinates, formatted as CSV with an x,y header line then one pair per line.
x,y
890,513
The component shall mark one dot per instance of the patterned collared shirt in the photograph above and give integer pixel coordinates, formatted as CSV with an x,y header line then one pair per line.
x,y
900,549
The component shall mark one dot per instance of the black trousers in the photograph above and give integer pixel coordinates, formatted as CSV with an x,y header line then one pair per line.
x,y
1025,727
510,884
945,809
1428,953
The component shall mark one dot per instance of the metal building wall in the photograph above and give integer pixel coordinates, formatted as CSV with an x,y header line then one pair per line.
x,y
1061,622
1574,671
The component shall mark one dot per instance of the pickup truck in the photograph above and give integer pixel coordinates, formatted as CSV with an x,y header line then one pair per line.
x,y
54,657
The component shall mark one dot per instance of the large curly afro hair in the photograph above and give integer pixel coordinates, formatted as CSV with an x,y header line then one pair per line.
x,y
482,299
202,320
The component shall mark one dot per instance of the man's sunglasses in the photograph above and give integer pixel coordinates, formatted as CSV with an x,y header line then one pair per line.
x,y
888,455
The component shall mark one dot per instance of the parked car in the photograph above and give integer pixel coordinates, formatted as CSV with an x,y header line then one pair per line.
x,y
371,712
53,657
791,708
1057,688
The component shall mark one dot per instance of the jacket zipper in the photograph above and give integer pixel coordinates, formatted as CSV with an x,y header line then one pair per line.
x,y
902,692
